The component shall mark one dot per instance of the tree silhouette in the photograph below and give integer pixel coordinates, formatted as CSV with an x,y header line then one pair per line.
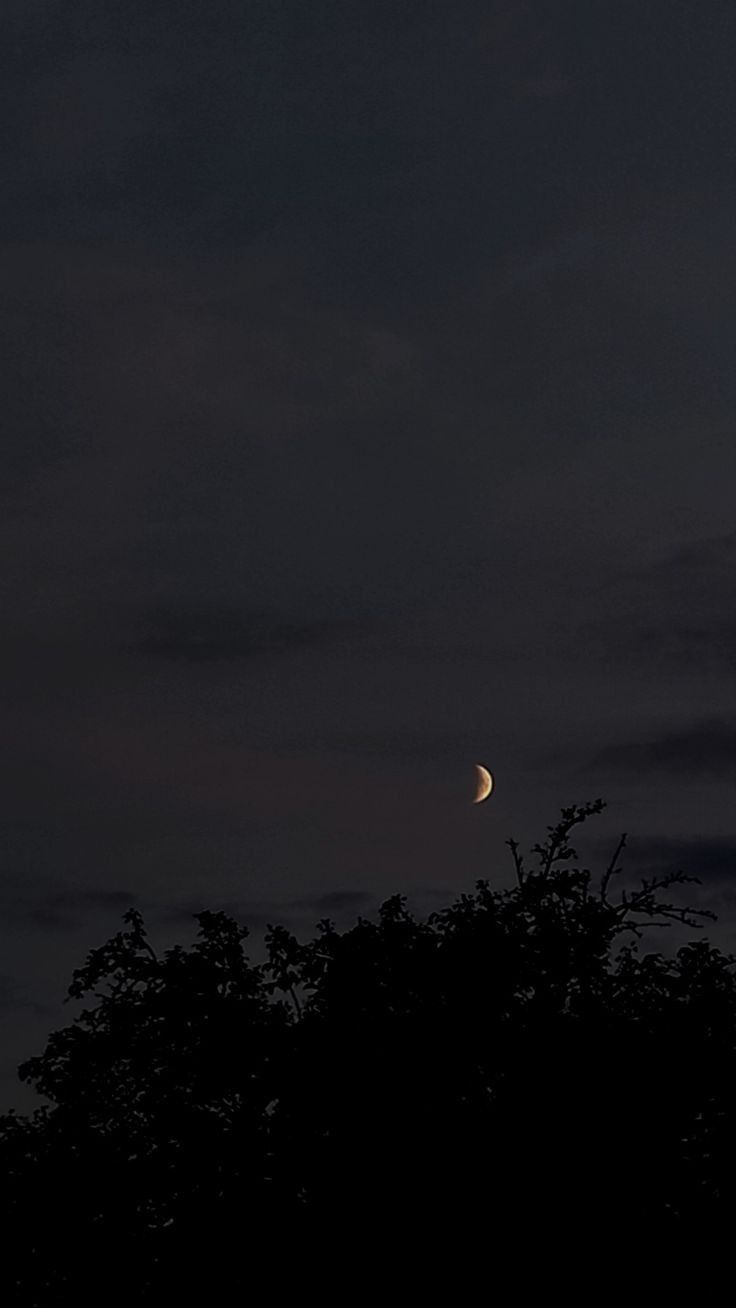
x,y
516,1066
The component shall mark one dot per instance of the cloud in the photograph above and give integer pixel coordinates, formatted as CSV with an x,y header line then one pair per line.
x,y
9,989
200,635
688,645
674,613
67,909
254,915
259,914
701,856
706,749
405,745
691,645
708,555
337,900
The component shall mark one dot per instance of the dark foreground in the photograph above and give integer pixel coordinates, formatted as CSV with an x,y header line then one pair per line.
x,y
514,1074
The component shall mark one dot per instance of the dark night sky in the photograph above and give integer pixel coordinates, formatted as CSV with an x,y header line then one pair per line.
x,y
368,411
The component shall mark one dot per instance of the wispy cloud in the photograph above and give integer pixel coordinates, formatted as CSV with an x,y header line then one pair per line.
x,y
700,856
674,613
706,749
259,914
338,900
198,635
65,910
708,555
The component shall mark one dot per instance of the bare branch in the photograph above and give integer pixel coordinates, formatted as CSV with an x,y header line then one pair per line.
x,y
518,859
612,869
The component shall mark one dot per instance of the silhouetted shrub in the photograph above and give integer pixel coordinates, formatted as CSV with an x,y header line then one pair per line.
x,y
512,1068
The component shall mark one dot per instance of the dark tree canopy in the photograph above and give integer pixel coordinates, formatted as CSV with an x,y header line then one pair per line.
x,y
516,1066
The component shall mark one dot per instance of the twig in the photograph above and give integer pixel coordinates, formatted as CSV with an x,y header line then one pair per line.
x,y
612,869
518,859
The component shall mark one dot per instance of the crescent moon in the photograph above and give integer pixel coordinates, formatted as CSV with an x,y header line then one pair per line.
x,y
484,783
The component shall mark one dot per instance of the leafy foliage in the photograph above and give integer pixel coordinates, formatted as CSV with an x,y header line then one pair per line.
x,y
514,1063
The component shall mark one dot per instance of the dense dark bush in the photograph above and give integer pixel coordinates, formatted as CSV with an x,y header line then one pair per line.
x,y
515,1066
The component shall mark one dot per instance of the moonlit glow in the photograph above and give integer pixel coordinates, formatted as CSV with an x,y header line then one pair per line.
x,y
484,783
